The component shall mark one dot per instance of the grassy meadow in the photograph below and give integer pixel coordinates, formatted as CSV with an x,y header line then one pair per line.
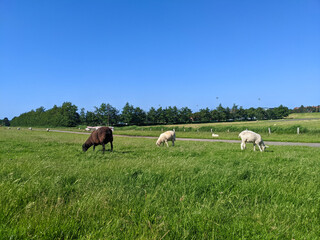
x,y
304,115
50,189
281,130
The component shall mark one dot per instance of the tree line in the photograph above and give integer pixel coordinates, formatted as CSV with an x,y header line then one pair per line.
x,y
67,115
307,109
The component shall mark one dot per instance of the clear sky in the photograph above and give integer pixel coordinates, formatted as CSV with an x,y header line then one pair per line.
x,y
158,53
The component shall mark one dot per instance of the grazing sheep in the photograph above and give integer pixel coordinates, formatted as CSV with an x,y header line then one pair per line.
x,y
255,138
100,136
165,137
88,128
18,128
48,129
215,135
30,128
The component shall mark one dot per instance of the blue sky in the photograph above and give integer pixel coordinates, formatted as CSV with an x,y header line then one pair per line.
x,y
158,53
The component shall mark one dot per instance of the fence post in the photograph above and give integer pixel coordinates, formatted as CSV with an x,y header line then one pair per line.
x,y
211,130
298,130
269,130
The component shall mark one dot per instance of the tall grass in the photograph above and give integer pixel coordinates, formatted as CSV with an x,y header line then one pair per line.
x,y
52,190
304,115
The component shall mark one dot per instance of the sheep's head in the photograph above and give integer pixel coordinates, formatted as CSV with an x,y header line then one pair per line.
x,y
263,146
158,143
84,147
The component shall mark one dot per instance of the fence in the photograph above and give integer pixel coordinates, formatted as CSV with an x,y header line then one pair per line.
x,y
295,129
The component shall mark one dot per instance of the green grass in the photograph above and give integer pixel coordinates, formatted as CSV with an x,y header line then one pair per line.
x,y
50,189
304,115
226,135
281,130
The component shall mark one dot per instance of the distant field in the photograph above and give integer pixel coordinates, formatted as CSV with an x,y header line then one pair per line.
x,y
284,130
50,189
281,130
304,115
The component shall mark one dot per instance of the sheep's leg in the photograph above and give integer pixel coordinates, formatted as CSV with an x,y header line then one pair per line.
x,y
243,145
172,142
167,143
103,147
111,146
94,146
260,148
254,147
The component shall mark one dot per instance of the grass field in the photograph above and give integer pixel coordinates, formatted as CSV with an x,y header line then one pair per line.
x,y
304,115
281,130
50,189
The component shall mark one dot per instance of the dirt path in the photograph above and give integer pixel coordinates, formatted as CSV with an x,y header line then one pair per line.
x,y
209,140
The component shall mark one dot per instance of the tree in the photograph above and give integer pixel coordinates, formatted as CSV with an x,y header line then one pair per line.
x,y
221,113
101,114
251,112
185,114
70,117
107,114
127,114
82,116
171,114
204,115
234,112
91,119
242,114
260,113
152,116
161,116
6,122
139,116
281,112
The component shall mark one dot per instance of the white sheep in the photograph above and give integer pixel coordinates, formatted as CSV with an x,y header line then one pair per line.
x,y
215,135
165,137
48,129
255,138
18,128
30,128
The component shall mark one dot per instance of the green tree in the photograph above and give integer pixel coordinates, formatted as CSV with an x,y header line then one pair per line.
x,y
152,116
221,112
6,122
161,118
70,117
185,114
281,111
251,112
139,116
127,114
91,119
260,113
82,116
204,115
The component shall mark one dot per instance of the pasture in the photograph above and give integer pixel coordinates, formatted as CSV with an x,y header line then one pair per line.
x,y
50,189
304,115
281,130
